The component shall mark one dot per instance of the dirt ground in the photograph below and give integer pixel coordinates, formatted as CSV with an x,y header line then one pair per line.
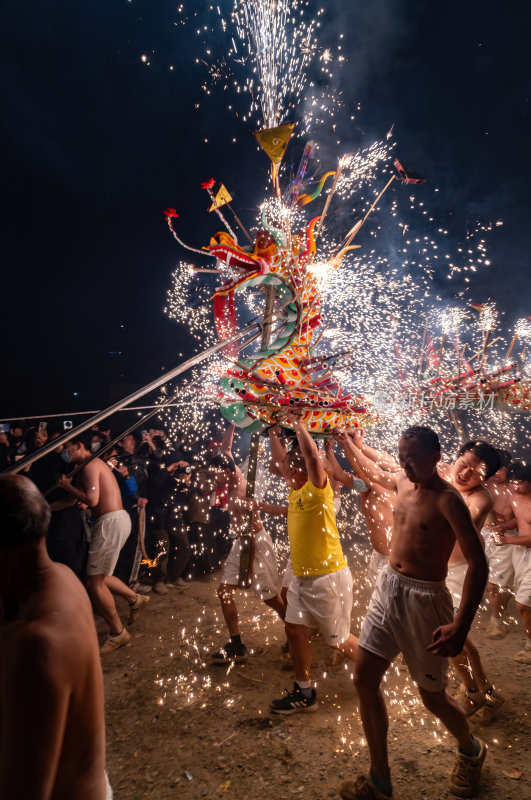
x,y
178,727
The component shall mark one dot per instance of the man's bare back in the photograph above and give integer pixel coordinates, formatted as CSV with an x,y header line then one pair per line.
x,y
52,734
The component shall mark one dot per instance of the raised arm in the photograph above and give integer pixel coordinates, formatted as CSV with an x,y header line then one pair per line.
x,y
448,640
382,459
333,467
278,453
226,442
310,453
364,467
226,450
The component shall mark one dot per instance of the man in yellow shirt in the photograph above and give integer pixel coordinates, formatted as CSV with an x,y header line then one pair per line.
x,y
320,594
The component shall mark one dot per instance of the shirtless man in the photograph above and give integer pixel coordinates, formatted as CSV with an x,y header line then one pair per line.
x,y
100,492
376,505
52,732
476,462
265,578
520,477
501,571
320,593
411,609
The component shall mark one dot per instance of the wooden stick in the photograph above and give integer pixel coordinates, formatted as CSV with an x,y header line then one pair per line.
x,y
329,198
421,354
510,350
240,223
358,224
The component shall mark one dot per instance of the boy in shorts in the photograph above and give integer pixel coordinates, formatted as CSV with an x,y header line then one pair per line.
x,y
411,609
320,593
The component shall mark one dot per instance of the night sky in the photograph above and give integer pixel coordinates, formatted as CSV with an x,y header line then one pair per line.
x,y
97,143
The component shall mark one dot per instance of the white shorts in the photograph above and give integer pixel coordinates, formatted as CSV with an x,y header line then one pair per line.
x,y
265,576
324,602
376,564
522,574
455,580
109,535
500,558
288,574
108,790
402,615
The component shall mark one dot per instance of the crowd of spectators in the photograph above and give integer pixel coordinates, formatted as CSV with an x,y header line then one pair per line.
x,y
174,491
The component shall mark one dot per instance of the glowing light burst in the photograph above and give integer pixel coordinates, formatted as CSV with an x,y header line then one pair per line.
x,y
278,39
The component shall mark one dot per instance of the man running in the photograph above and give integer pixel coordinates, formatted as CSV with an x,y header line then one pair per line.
x,y
99,490
411,609
52,730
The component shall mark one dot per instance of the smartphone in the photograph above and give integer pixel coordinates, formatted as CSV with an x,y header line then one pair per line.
x,y
4,427
42,428
67,425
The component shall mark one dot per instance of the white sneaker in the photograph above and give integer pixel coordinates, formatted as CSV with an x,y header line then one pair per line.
x,y
496,629
160,587
524,656
180,583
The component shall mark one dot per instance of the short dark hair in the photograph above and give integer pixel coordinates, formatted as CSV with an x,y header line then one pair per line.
x,y
222,461
427,438
24,513
486,453
505,458
519,471
296,458
84,438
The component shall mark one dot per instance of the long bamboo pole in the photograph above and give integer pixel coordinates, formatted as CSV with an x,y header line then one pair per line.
x,y
168,376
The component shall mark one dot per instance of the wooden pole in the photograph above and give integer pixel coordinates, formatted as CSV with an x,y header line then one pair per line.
x,y
240,223
247,540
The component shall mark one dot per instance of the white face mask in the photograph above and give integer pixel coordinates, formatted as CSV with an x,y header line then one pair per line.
x,y
360,485
65,455
95,446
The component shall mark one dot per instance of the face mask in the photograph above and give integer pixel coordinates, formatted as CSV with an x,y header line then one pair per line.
x,y
360,485
65,455
95,446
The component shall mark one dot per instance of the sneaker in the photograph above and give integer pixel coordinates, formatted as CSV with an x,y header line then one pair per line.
x,y
467,772
493,700
182,584
230,652
160,587
294,701
524,656
470,702
134,609
335,660
141,588
114,641
361,789
496,629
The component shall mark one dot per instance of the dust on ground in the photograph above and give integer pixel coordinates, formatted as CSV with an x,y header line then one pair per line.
x,y
179,727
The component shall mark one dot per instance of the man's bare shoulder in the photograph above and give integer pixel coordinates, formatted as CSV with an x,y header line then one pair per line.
x,y
35,650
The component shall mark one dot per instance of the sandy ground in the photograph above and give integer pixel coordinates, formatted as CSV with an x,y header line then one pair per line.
x,y
178,727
